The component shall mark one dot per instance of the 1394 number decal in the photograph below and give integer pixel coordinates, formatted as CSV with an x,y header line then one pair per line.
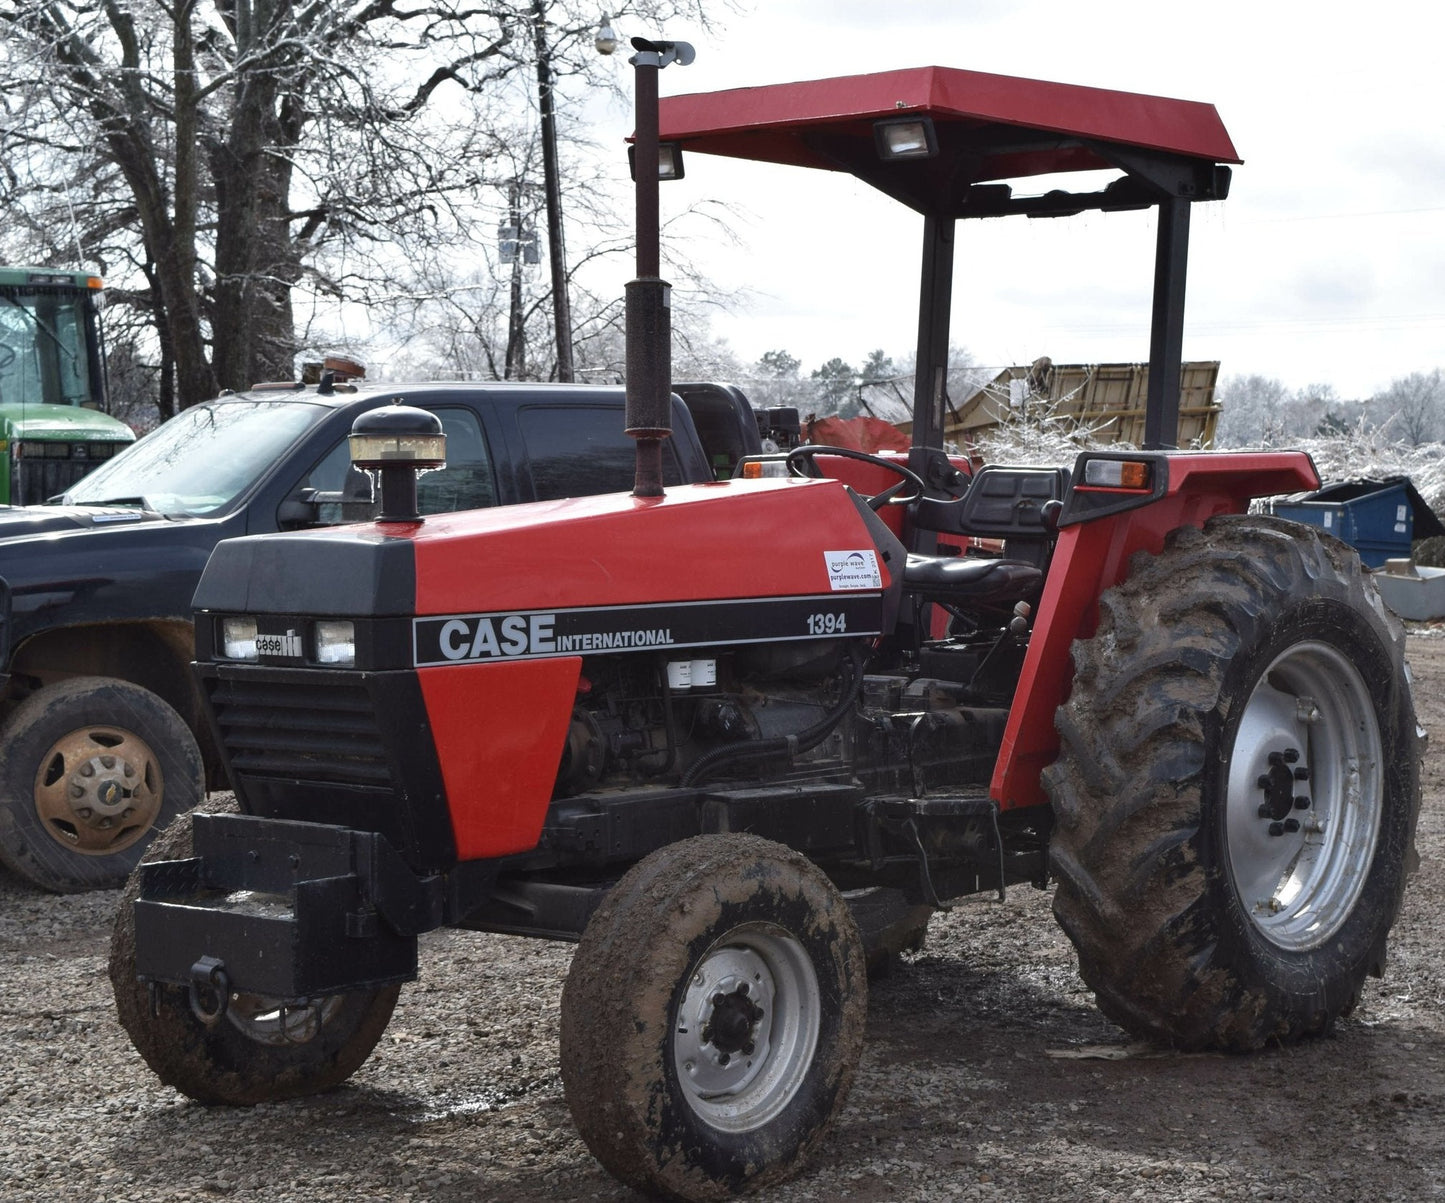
x,y
830,623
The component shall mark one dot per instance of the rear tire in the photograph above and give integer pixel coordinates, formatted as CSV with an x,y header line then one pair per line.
x,y
712,1018
258,1051
90,769
1237,788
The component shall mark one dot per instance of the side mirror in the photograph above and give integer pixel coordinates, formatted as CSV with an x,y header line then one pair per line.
x,y
354,502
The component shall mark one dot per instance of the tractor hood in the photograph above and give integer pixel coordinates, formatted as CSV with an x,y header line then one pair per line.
x,y
710,558
69,423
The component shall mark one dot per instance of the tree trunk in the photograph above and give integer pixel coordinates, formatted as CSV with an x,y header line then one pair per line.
x,y
256,259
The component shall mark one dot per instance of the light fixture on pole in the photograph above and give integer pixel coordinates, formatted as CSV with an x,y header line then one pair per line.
x,y
606,39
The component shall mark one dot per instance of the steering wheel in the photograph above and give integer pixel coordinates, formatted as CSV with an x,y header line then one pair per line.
x,y
908,490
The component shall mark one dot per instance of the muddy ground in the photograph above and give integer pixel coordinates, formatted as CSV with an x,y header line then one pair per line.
x,y
988,1074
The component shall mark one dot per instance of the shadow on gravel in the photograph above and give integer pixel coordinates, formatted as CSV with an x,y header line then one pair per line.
x,y
988,1066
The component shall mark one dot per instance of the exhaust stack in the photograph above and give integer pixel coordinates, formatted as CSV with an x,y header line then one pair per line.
x,y
648,307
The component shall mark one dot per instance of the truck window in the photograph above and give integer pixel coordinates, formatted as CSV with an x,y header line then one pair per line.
x,y
202,460
466,483
576,451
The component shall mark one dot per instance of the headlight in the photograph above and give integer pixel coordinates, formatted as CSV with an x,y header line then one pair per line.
x,y
336,643
238,638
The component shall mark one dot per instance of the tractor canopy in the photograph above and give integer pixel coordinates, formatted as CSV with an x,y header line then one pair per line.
x,y
942,140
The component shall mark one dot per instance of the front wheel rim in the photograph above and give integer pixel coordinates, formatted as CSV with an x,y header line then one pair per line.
x,y
278,1024
747,1027
1305,796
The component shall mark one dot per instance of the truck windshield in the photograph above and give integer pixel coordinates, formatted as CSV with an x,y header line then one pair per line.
x,y
200,461
44,348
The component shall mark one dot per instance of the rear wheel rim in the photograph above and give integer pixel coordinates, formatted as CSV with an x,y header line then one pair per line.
x,y
1305,796
747,1027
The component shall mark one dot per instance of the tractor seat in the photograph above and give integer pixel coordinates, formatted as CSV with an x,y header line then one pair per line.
x,y
964,581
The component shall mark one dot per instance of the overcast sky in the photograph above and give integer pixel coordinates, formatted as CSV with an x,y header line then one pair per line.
x,y
1326,264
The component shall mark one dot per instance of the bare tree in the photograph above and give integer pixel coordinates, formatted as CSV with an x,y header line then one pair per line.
x,y
215,155
1253,411
1412,408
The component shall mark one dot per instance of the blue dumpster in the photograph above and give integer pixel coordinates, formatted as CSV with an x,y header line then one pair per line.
x,y
1375,517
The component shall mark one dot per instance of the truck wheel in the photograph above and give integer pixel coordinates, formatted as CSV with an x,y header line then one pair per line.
x,y
888,925
259,1050
713,1017
90,769
1237,788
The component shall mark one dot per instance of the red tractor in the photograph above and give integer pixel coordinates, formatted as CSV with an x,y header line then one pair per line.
x,y
721,738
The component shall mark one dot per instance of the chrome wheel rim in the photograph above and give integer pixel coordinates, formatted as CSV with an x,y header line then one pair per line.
x,y
747,1027
1305,796
278,1024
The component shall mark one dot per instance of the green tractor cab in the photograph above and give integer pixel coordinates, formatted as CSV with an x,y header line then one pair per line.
x,y
53,424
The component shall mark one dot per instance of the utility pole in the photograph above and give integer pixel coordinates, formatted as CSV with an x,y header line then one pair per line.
x,y
516,336
556,250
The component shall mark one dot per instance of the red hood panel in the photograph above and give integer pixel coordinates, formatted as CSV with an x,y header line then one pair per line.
x,y
734,539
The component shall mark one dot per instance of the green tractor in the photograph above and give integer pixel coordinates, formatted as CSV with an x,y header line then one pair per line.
x,y
53,424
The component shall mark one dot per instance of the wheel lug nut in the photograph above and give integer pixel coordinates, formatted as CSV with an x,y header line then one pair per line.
x,y
1301,773
748,1049
742,987
717,1000
1291,755
1291,825
1265,810
1276,829
723,1059
1263,781
1301,803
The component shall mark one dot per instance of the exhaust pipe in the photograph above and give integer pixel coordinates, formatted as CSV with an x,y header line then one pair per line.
x,y
648,297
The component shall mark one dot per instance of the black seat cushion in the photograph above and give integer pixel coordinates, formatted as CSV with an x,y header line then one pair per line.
x,y
967,581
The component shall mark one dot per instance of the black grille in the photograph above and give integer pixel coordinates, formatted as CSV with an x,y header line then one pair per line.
x,y
41,479
321,732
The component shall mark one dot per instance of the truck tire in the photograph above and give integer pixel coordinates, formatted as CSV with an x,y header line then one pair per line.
x,y
888,924
1237,788
257,1052
713,1017
90,769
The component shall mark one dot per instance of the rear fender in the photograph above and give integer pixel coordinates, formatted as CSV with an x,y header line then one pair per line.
x,y
1092,554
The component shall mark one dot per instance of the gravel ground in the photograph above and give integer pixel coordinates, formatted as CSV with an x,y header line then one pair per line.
x,y
988,1075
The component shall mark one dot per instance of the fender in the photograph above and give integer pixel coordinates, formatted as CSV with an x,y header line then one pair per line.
x,y
1093,555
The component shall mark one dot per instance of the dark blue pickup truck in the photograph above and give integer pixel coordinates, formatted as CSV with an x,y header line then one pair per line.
x,y
101,737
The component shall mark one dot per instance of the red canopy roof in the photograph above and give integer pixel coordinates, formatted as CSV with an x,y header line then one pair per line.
x,y
1008,127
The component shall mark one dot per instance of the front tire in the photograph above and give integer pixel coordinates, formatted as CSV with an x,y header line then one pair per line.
x,y
1237,788
713,1017
90,769
259,1050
